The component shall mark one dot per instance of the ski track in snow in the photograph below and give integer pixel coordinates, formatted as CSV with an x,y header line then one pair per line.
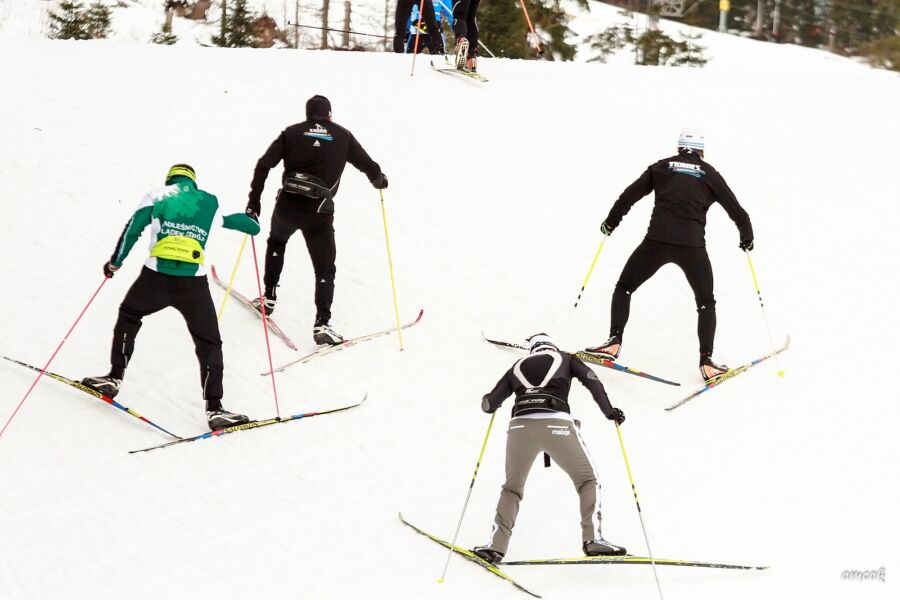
x,y
493,220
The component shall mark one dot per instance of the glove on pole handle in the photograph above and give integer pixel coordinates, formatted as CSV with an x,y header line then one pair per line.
x,y
762,308
387,241
55,352
537,40
416,45
468,494
638,504
231,281
590,271
265,320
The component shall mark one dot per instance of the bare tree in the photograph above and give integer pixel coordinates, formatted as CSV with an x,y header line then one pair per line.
x,y
326,4
346,39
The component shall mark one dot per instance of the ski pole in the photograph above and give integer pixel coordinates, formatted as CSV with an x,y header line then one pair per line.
x,y
762,309
468,495
265,319
640,515
416,45
231,281
387,240
55,352
590,271
537,40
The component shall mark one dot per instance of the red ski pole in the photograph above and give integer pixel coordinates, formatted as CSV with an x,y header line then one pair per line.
x,y
537,40
265,318
55,352
416,45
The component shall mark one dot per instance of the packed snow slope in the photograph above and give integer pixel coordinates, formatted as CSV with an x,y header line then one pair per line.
x,y
496,196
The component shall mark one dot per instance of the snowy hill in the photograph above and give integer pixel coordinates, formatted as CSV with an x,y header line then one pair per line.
x,y
493,223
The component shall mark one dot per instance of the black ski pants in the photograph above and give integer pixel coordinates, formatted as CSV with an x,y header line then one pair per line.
x,y
401,21
464,23
150,293
645,261
318,231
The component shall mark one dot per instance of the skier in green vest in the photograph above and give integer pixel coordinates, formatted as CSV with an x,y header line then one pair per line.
x,y
182,218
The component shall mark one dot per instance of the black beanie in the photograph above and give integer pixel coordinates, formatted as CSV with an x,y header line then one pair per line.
x,y
318,107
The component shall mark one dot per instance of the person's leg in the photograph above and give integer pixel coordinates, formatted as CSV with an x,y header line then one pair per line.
x,y
318,231
460,18
698,271
148,294
472,27
193,301
436,43
401,20
644,262
523,442
284,224
567,449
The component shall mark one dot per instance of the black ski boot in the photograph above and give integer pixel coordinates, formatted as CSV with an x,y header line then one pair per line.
x,y
709,370
269,303
487,554
221,418
609,349
601,547
324,334
105,384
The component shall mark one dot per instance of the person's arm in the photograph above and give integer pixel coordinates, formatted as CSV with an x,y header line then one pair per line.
x,y
589,379
729,202
360,159
642,186
132,231
493,399
273,155
241,222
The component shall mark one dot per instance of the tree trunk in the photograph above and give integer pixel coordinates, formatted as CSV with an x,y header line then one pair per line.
x,y
326,4
346,41
198,10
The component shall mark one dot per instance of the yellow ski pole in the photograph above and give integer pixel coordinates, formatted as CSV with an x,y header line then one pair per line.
x,y
638,504
468,495
231,281
762,308
590,271
387,240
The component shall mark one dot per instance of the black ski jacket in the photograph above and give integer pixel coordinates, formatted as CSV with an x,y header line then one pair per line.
x,y
316,147
685,187
541,383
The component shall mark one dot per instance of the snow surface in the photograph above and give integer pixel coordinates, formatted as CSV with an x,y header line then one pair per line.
x,y
493,222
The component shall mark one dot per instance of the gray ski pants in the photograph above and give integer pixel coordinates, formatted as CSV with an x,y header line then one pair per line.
x,y
526,438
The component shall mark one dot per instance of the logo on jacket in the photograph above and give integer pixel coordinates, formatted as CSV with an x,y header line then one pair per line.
x,y
686,168
319,132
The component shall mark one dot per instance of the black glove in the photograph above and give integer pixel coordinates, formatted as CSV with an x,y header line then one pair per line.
x,y
109,269
486,405
746,245
253,209
617,415
380,182
606,229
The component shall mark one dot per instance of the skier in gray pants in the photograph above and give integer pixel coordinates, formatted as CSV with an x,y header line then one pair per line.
x,y
541,423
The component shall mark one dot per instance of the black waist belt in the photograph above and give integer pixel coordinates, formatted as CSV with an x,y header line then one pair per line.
x,y
309,186
527,404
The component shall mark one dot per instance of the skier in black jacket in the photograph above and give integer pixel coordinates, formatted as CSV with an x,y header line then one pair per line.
x,y
685,186
541,423
315,153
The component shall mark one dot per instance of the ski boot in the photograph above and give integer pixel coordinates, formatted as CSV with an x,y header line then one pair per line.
x,y
709,370
324,334
472,64
221,418
269,303
462,52
609,349
487,554
105,384
601,547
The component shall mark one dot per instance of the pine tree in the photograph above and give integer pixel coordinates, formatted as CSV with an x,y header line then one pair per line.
x,y
99,19
503,29
238,29
69,22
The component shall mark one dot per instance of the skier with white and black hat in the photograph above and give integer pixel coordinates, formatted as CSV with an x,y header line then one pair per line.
x,y
541,422
685,187
315,153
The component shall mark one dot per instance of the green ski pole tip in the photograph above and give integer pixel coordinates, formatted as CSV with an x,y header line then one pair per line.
x,y
781,373
441,580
